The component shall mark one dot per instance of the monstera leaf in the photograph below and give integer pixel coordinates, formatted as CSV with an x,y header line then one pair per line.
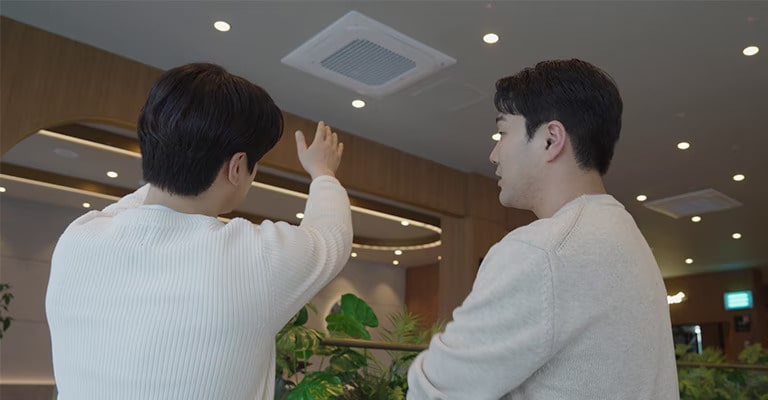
x,y
301,317
348,360
300,341
359,310
317,386
346,325
352,318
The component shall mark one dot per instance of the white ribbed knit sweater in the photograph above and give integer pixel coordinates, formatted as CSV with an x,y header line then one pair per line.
x,y
145,303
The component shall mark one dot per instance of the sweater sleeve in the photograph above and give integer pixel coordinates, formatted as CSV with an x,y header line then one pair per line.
x,y
303,259
500,335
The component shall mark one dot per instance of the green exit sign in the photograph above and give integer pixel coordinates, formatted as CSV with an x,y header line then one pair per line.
x,y
738,300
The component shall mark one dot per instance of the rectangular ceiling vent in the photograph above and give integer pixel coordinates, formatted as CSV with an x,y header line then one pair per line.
x,y
366,56
694,203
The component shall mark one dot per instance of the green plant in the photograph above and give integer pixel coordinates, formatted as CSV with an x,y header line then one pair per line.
x,y
379,382
722,383
5,299
352,321
296,344
356,375
350,374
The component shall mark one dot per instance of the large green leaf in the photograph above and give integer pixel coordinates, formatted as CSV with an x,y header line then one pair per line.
x,y
301,317
359,310
348,360
346,325
317,386
299,341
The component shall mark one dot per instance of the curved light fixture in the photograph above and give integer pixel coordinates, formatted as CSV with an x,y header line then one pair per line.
x,y
370,244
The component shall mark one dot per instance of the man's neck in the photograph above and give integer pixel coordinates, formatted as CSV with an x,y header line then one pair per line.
x,y
566,189
202,204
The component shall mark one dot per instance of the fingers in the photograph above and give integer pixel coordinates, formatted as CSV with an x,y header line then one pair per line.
x,y
320,132
301,142
340,149
324,134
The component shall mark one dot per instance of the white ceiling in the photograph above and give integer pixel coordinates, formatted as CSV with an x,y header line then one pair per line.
x,y
678,65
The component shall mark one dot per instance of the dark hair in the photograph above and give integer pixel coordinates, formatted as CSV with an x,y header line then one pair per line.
x,y
580,95
196,118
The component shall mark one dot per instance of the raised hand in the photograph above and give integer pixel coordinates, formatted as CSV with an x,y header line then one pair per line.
x,y
323,156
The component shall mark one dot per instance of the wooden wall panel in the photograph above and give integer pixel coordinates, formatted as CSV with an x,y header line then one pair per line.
x,y
370,165
426,182
421,291
704,305
27,392
484,235
483,203
457,268
48,80
483,198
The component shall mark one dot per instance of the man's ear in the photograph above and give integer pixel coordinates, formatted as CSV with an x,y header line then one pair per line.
x,y
556,138
235,167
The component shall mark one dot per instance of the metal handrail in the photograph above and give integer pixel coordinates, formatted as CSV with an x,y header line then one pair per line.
x,y
373,344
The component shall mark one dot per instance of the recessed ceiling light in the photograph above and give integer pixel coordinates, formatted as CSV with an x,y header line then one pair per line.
x,y
2,189
404,223
496,137
689,260
221,26
683,145
354,254
398,252
112,174
750,51
490,38
395,262
86,205
736,236
739,177
642,197
299,215
358,103
696,218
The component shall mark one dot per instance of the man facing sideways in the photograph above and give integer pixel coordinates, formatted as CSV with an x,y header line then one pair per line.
x,y
571,306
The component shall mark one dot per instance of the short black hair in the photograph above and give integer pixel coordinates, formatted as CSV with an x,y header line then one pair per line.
x,y
581,96
197,116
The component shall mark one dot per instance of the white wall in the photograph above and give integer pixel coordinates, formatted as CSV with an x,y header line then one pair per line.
x,y
28,234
